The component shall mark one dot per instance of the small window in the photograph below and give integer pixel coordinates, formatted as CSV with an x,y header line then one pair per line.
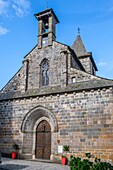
x,y
73,79
45,41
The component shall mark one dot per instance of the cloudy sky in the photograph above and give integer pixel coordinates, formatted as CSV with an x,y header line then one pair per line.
x,y
18,31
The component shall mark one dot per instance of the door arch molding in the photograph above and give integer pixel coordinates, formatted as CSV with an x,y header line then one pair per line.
x,y
29,125
34,115
40,120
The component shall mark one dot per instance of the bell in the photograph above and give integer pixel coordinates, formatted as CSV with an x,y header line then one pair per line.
x,y
46,26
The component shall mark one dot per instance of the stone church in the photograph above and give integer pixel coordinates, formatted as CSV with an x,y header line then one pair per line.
x,y
56,99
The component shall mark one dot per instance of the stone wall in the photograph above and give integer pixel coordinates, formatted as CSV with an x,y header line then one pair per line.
x,y
80,76
29,75
86,61
84,119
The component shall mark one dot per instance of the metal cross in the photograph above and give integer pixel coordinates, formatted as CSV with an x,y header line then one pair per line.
x,y
46,4
78,30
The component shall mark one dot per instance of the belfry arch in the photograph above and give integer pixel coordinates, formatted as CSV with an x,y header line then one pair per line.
x,y
29,127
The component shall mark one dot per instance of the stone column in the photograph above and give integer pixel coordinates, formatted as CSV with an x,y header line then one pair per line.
x,y
51,33
24,79
40,34
64,70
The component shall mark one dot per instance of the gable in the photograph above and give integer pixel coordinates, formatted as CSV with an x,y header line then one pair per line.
x,y
63,66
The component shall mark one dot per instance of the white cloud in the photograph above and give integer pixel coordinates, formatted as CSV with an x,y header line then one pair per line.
x,y
9,8
3,30
22,3
4,7
12,7
21,7
19,12
102,64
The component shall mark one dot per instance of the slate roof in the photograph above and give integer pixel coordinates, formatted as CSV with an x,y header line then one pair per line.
x,y
80,50
79,47
88,85
46,12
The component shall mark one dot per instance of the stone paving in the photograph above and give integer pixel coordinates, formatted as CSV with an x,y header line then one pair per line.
x,y
16,164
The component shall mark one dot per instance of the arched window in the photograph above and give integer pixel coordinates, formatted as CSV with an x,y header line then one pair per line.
x,y
45,72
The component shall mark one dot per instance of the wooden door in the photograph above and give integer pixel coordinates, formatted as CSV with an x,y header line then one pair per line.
x,y
43,140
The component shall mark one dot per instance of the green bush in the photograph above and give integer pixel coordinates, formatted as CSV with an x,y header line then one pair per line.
x,y
87,164
66,148
15,146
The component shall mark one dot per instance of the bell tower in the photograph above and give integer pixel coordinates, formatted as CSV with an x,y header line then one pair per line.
x,y
46,27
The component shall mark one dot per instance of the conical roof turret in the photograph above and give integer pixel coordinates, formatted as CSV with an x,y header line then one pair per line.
x,y
78,47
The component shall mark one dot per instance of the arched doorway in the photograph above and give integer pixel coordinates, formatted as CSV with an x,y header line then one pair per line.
x,y
30,127
43,140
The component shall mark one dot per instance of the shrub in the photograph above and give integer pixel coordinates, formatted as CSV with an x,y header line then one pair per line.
x,y
87,164
66,148
15,146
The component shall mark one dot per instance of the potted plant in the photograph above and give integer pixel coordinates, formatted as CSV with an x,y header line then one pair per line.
x,y
14,153
64,158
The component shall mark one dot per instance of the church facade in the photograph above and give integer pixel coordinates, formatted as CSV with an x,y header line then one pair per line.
x,y
56,99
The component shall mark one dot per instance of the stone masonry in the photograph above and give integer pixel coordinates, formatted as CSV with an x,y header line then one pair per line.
x,y
80,113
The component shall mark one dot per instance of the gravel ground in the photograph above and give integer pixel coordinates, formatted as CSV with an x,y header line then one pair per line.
x,y
16,164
